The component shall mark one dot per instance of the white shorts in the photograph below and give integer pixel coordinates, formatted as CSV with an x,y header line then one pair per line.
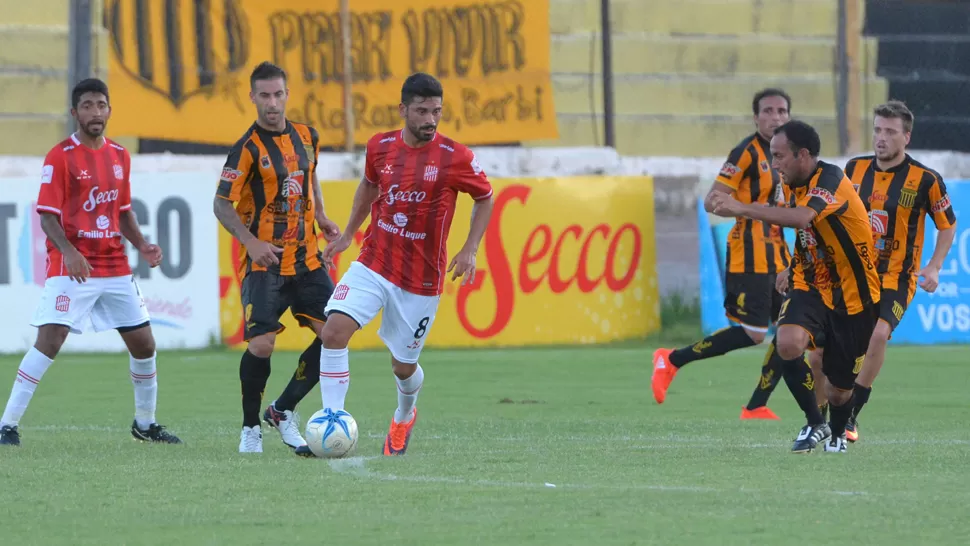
x,y
109,302
362,293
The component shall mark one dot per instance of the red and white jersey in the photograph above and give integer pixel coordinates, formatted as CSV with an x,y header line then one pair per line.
x,y
88,189
406,241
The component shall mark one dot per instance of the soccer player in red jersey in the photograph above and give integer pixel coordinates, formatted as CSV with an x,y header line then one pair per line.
x,y
85,210
411,182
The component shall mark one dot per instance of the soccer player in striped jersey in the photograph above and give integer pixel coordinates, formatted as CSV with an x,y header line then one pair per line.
x,y
270,176
833,290
412,178
756,252
899,194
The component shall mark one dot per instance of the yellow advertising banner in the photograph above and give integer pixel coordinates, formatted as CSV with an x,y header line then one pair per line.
x,y
179,69
564,261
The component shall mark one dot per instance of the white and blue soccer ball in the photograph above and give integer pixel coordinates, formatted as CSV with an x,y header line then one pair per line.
x,y
331,434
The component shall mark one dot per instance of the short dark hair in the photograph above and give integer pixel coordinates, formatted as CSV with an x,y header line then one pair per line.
x,y
769,92
801,136
421,85
896,109
89,85
266,71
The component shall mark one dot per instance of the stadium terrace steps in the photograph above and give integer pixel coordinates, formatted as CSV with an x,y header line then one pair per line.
x,y
646,53
699,17
699,94
36,12
684,136
686,71
31,135
33,93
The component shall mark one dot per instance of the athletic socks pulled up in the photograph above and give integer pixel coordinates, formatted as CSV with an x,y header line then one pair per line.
x,y
716,344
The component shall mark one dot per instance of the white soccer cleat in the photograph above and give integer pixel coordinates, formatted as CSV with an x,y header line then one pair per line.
x,y
836,444
251,440
288,425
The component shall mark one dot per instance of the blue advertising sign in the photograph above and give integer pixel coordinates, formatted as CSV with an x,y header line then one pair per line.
x,y
938,318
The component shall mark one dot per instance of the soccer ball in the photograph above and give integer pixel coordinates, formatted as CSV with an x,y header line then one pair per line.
x,y
331,434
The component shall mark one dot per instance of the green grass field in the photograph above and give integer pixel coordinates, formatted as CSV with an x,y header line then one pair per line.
x,y
498,428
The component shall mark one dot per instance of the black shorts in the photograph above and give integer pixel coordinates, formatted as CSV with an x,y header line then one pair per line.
x,y
845,338
751,299
266,296
893,304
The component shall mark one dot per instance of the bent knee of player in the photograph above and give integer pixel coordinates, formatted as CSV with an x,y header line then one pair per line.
x,y
881,333
50,339
403,370
791,342
263,345
337,331
837,396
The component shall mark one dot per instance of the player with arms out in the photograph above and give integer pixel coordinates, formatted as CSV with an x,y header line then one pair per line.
x,y
756,251
899,193
85,210
270,175
833,295
412,179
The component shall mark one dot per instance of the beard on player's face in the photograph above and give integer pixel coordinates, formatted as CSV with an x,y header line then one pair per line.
x,y
93,128
424,132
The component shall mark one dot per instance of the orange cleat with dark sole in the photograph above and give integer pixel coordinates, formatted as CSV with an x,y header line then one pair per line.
x,y
763,412
663,374
396,442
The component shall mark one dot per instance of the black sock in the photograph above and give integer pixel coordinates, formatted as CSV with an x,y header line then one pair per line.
x,y
306,376
840,416
771,372
824,410
716,344
253,373
801,383
860,395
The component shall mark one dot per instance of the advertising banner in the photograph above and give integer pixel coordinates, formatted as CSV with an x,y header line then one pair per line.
x,y
181,294
188,64
564,261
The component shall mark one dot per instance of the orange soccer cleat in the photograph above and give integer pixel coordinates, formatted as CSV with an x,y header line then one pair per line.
x,y
396,442
762,412
663,374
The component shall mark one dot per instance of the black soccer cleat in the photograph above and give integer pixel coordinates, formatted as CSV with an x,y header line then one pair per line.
x,y
156,434
9,436
809,437
304,451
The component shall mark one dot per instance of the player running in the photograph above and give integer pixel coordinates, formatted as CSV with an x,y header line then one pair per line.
x,y
756,251
85,210
270,174
833,296
411,182
899,193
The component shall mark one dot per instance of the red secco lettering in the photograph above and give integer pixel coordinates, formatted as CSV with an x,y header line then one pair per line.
x,y
498,262
544,246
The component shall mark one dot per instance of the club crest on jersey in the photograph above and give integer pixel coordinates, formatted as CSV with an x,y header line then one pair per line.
x,y
264,162
764,166
293,185
907,198
119,172
206,48
879,220
430,173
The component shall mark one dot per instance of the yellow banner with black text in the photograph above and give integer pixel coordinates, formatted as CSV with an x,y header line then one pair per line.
x,y
179,69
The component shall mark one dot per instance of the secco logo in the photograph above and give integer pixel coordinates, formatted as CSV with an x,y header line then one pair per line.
x,y
103,222
395,196
96,198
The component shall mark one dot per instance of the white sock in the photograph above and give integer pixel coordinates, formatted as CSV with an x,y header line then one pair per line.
x,y
32,369
144,379
334,377
407,395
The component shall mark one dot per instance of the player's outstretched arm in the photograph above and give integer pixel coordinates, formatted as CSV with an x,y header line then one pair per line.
x,y
78,268
718,187
799,217
464,261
